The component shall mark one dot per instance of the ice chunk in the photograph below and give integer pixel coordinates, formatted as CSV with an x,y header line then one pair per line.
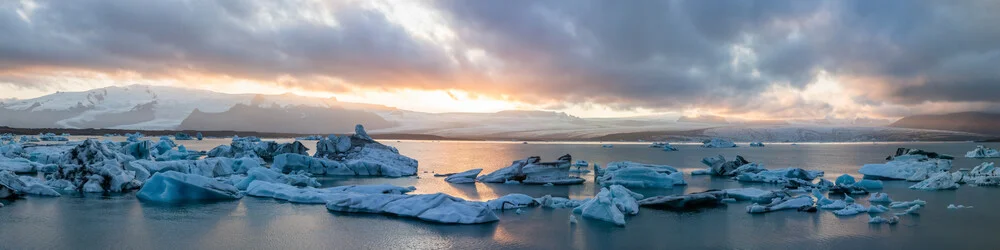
x,y
209,167
849,199
879,198
572,218
707,171
753,194
874,209
720,167
182,137
952,206
10,186
845,180
835,205
311,195
464,177
983,152
438,207
908,164
685,202
822,199
559,202
938,181
779,176
781,204
36,186
52,137
639,175
19,165
176,187
869,184
611,205
663,145
718,143
851,209
512,201
532,171
912,210
287,163
902,204
757,144
581,163
268,175
879,220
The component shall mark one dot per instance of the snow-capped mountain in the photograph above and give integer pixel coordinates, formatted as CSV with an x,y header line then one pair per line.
x,y
139,107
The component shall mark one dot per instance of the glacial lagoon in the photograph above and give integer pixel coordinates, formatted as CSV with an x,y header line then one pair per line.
x,y
93,221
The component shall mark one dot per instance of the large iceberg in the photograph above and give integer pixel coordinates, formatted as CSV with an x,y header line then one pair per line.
x,y
937,181
720,167
181,136
532,171
685,202
437,207
640,175
287,163
718,143
176,187
908,164
253,147
611,205
209,167
983,152
269,175
93,166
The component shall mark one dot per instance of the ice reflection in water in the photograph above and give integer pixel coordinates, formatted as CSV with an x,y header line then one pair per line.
x,y
120,221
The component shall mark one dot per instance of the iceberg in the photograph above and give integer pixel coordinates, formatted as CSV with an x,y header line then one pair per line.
x,y
176,187
851,209
199,136
269,175
208,167
310,195
952,206
611,205
559,202
845,180
904,204
183,137
757,144
912,210
639,175
983,175
253,147
879,220
720,167
879,198
848,190
288,163
512,201
718,143
27,139
663,145
35,186
875,209
869,184
133,137
778,204
908,164
753,194
835,205
685,202
532,171
19,165
93,166
938,181
10,186
581,163
438,207
779,176
52,137
464,177
983,152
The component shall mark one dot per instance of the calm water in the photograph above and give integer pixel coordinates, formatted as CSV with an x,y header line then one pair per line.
x,y
122,222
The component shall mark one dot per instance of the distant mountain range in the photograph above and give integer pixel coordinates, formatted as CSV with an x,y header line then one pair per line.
x,y
139,107
972,122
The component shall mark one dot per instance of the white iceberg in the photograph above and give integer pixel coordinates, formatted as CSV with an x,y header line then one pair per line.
x,y
10,186
909,164
983,152
718,143
869,184
778,204
559,202
879,220
720,167
19,165
953,206
685,202
851,209
287,163
176,187
512,201
310,195
532,171
879,198
778,176
611,205
875,209
912,210
464,177
903,204
753,194
35,186
639,175
269,175
938,181
438,207
836,205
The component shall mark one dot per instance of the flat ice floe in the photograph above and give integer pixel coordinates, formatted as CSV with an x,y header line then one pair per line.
x,y
438,207
908,164
640,175
532,171
310,195
176,187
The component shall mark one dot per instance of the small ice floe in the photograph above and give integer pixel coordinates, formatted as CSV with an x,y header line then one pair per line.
x,y
685,202
612,204
718,143
983,152
879,220
640,175
572,219
532,171
663,145
781,204
879,198
908,164
953,206
754,194
912,210
851,209
518,211
905,204
463,177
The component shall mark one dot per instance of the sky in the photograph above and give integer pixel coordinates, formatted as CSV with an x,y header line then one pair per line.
x,y
764,59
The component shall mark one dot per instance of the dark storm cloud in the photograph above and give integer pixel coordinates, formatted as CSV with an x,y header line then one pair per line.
x,y
218,37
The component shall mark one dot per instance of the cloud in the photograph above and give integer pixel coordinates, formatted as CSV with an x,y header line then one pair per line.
x,y
756,58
